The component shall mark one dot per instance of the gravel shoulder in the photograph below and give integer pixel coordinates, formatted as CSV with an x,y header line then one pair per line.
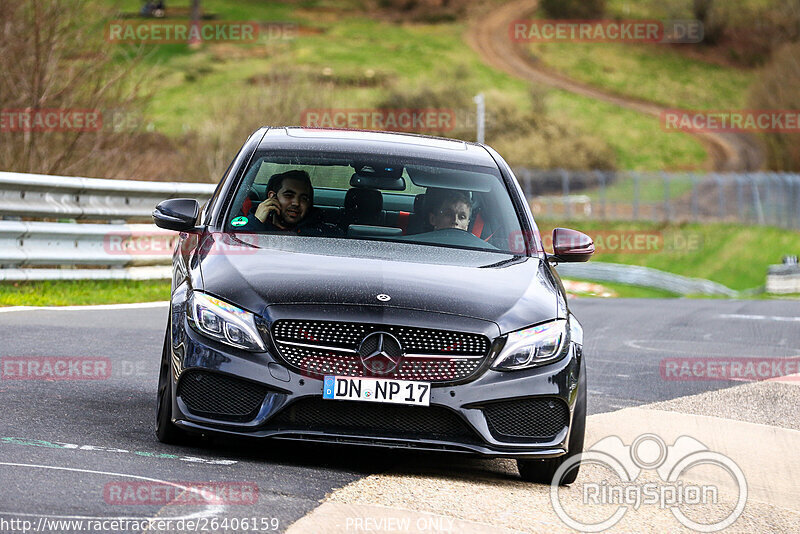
x,y
487,496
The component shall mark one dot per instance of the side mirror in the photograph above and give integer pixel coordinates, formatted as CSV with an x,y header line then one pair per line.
x,y
571,245
178,214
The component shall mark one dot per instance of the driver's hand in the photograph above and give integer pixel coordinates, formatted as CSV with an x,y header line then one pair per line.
x,y
269,206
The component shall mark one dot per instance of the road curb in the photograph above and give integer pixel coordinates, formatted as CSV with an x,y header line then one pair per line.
x,y
770,483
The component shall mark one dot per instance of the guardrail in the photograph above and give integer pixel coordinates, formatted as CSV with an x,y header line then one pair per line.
x,y
124,251
643,276
32,250
43,196
24,244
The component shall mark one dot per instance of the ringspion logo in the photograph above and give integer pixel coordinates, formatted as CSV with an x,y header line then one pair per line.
x,y
624,489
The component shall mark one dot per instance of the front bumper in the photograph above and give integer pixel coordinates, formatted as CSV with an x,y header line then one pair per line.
x,y
556,384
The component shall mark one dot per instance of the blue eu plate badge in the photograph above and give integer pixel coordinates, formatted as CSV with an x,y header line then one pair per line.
x,y
327,387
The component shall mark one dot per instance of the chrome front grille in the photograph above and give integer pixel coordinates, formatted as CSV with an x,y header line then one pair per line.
x,y
318,348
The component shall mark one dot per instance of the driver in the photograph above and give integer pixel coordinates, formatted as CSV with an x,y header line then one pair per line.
x,y
449,208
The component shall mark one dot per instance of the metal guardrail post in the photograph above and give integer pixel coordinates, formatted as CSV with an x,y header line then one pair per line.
x,y
667,209
695,200
635,196
720,197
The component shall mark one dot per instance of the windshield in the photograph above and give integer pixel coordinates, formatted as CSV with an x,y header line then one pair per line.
x,y
365,198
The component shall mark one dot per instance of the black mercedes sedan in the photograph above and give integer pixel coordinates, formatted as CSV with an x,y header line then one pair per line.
x,y
373,288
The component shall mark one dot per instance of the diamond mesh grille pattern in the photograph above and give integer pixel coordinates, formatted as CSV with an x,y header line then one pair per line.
x,y
527,418
378,420
439,344
219,396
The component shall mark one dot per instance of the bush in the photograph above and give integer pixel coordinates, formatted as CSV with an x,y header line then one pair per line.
x,y
278,98
778,88
53,56
574,9
525,138
424,11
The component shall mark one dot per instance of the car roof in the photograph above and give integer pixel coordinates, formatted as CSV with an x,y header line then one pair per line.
x,y
379,143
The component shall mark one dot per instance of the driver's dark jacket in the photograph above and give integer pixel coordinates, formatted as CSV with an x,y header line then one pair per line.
x,y
311,226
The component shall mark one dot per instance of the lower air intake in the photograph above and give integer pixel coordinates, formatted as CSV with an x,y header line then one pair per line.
x,y
219,396
540,419
374,420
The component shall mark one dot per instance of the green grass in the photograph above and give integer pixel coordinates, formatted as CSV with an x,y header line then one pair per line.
x,y
658,73
82,292
638,140
188,84
651,72
650,189
733,255
629,291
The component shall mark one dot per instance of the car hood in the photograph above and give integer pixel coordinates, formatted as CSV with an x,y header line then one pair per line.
x,y
511,291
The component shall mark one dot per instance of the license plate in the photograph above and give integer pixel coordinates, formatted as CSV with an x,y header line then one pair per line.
x,y
377,390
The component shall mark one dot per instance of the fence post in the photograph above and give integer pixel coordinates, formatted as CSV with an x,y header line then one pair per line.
x,y
755,181
665,177
768,196
720,196
786,184
526,174
694,204
635,195
565,194
796,180
602,179
740,198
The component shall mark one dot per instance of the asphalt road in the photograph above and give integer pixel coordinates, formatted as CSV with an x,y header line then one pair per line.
x,y
64,445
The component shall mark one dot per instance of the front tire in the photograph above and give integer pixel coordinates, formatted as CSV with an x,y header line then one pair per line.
x,y
166,430
542,471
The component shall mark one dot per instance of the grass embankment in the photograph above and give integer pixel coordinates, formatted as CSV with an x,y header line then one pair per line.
x,y
733,255
339,40
82,292
665,74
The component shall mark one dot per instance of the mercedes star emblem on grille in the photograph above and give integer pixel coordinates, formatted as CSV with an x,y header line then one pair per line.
x,y
383,297
380,353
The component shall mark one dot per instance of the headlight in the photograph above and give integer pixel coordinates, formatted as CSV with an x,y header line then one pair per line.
x,y
224,322
533,346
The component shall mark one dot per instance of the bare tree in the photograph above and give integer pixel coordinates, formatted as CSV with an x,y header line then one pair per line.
x,y
53,56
